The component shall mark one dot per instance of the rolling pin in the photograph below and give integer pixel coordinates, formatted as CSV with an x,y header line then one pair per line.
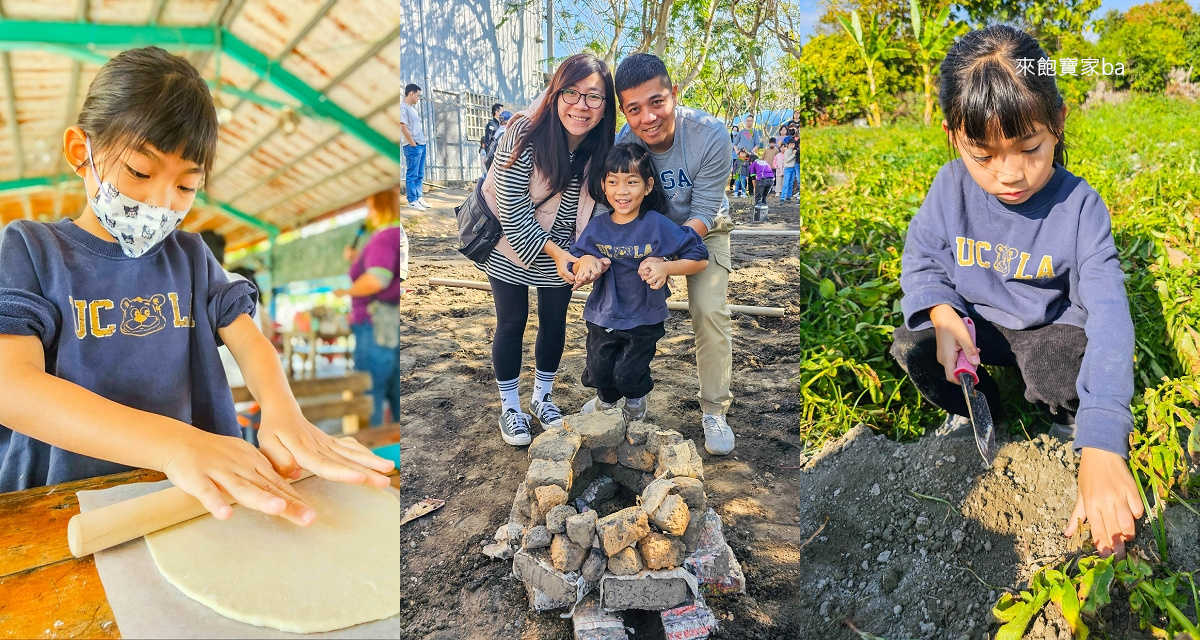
x,y
109,526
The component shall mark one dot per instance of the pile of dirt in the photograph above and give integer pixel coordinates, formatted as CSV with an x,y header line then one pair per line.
x,y
919,539
451,446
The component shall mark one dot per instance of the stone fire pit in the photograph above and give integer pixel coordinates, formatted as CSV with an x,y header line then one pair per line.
x,y
622,508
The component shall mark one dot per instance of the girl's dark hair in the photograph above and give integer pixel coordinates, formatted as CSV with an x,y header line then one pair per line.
x,y
633,158
547,137
150,96
985,89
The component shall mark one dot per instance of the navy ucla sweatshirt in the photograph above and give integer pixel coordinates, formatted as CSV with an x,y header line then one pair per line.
x,y
620,299
1048,260
141,332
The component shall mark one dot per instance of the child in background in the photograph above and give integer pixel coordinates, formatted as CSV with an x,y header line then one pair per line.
x,y
791,169
741,170
109,324
628,304
768,154
764,178
503,119
1010,238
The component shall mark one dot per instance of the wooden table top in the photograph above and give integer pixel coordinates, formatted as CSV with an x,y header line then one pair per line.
x,y
45,592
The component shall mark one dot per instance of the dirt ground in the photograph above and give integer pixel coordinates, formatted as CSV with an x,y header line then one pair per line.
x,y
895,564
451,447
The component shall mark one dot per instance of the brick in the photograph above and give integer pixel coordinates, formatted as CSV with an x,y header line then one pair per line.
x,y
692,492
672,515
642,458
537,574
549,496
692,620
591,622
536,538
582,461
646,591
582,528
679,460
607,455
556,519
599,428
625,562
557,445
547,472
593,567
622,529
566,555
660,552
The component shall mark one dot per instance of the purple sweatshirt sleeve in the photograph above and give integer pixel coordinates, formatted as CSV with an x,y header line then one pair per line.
x,y
1105,383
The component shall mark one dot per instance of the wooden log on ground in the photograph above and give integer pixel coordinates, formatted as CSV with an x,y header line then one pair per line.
x,y
674,305
765,232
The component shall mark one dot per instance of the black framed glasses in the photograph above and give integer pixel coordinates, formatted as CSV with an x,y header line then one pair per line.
x,y
592,100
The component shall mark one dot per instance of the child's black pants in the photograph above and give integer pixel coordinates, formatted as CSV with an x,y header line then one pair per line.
x,y
1047,357
761,189
618,361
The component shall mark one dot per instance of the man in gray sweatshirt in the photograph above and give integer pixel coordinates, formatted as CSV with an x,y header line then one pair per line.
x,y
690,150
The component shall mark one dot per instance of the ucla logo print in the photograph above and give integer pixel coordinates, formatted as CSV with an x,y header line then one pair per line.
x,y
1004,257
972,253
141,316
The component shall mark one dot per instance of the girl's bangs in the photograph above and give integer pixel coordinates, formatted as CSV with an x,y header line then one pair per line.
x,y
993,101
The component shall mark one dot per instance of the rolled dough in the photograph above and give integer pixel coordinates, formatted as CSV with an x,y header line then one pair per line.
x,y
342,570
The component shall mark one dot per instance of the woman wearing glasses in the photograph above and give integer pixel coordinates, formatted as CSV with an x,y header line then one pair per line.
x,y
545,180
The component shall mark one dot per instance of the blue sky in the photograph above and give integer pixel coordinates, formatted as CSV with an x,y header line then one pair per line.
x,y
810,10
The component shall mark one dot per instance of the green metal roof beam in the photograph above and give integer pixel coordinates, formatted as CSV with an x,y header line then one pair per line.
x,y
121,36
245,218
280,77
28,183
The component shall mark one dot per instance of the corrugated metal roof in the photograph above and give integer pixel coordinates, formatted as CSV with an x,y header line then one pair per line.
x,y
343,59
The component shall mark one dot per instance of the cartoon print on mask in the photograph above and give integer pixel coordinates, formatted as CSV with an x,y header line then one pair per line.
x,y
127,238
1004,256
110,192
109,221
147,232
130,212
142,317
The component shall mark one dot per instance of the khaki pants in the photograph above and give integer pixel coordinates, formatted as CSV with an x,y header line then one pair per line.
x,y
708,292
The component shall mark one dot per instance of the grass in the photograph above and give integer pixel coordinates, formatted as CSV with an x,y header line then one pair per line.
x,y
860,187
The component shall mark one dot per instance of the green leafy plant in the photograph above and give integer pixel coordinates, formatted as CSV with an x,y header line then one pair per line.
x,y
933,39
874,44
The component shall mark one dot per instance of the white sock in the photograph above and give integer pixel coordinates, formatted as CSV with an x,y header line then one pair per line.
x,y
543,384
509,398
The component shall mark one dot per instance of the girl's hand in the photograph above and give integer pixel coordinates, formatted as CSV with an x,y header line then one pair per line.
x,y
217,469
587,271
1108,499
290,442
654,273
952,337
561,258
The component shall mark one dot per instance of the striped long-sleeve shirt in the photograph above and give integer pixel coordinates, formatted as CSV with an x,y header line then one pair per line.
x,y
514,207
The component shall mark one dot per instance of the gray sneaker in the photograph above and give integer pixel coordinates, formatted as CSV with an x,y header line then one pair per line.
x,y
514,428
718,437
954,426
634,409
596,404
546,412
1064,432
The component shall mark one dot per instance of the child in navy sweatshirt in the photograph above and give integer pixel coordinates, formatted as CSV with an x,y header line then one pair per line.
x,y
628,303
110,323
1010,238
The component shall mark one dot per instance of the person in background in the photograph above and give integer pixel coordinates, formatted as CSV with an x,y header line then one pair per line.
x,y
791,169
376,273
733,174
413,137
741,172
764,179
794,123
503,119
768,154
749,138
489,134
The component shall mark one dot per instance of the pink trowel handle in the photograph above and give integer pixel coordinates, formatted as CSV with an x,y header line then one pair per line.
x,y
965,366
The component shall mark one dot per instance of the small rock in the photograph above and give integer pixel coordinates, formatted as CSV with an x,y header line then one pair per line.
x,y
875,489
536,538
897,609
884,557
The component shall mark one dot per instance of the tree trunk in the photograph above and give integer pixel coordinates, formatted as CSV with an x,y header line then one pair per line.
x,y
928,93
698,65
876,118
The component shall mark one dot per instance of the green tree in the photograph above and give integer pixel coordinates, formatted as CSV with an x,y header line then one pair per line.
x,y
1150,40
874,44
933,39
1045,20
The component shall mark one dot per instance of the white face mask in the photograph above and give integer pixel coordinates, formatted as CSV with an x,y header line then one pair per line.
x,y
136,226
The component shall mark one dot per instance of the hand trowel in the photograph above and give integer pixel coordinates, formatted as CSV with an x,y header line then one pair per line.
x,y
977,406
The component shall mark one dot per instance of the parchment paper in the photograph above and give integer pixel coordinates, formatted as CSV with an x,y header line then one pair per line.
x,y
145,605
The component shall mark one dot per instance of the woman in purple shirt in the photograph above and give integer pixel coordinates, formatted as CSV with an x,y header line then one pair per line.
x,y
377,272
